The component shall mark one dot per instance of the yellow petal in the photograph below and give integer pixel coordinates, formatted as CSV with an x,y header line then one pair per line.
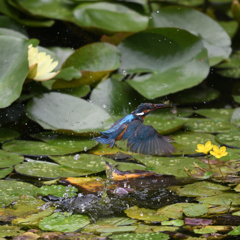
x,y
223,149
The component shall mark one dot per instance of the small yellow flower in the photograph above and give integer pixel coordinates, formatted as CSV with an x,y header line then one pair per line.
x,y
218,152
40,65
204,148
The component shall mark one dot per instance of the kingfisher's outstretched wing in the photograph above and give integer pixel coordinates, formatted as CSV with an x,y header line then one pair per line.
x,y
146,140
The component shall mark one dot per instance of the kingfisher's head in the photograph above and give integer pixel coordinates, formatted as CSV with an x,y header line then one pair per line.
x,y
145,108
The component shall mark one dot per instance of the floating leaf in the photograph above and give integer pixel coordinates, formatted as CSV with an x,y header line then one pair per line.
x,y
141,236
205,230
235,231
209,125
64,222
9,231
81,91
174,211
231,139
214,37
145,214
57,190
4,172
74,114
201,189
117,224
173,222
8,134
182,59
12,33
223,113
95,61
230,27
14,68
151,228
9,159
194,209
117,98
48,170
12,190
111,17
222,199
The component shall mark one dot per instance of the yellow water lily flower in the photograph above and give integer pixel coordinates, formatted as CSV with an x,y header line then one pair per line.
x,y
40,65
204,148
218,152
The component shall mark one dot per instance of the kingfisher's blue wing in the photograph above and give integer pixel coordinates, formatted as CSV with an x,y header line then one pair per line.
x,y
145,139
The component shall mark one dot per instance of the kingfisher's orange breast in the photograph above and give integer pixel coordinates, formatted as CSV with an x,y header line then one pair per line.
x,y
121,134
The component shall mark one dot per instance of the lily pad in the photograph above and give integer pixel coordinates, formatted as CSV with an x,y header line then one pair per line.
x,y
194,209
209,125
141,236
205,230
214,37
231,139
174,211
95,62
223,113
201,189
236,117
12,190
48,170
111,17
9,231
182,59
8,134
145,214
111,225
57,190
64,222
221,199
116,97
195,95
4,172
32,221
152,228
9,159
87,163
14,66
81,91
235,231
59,111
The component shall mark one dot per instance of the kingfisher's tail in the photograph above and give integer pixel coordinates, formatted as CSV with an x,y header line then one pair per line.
x,y
105,140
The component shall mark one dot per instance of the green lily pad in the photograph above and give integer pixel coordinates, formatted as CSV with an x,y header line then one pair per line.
x,y
8,134
9,231
205,230
229,26
214,37
145,214
24,206
209,125
81,91
174,211
87,163
231,139
95,61
57,146
141,236
236,98
170,165
116,97
64,222
194,209
48,170
222,113
165,125
117,224
68,74
231,67
57,190
73,114
111,17
221,199
151,228
14,66
32,221
195,95
236,117
4,172
12,190
9,159
12,33
173,223
182,59
201,189
235,231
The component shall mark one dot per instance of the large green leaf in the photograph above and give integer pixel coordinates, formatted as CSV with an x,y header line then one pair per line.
x,y
62,111
9,159
112,17
95,61
214,37
13,68
174,60
8,134
116,97
231,139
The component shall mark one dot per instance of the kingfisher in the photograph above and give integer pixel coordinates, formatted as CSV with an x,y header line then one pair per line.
x,y
142,138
